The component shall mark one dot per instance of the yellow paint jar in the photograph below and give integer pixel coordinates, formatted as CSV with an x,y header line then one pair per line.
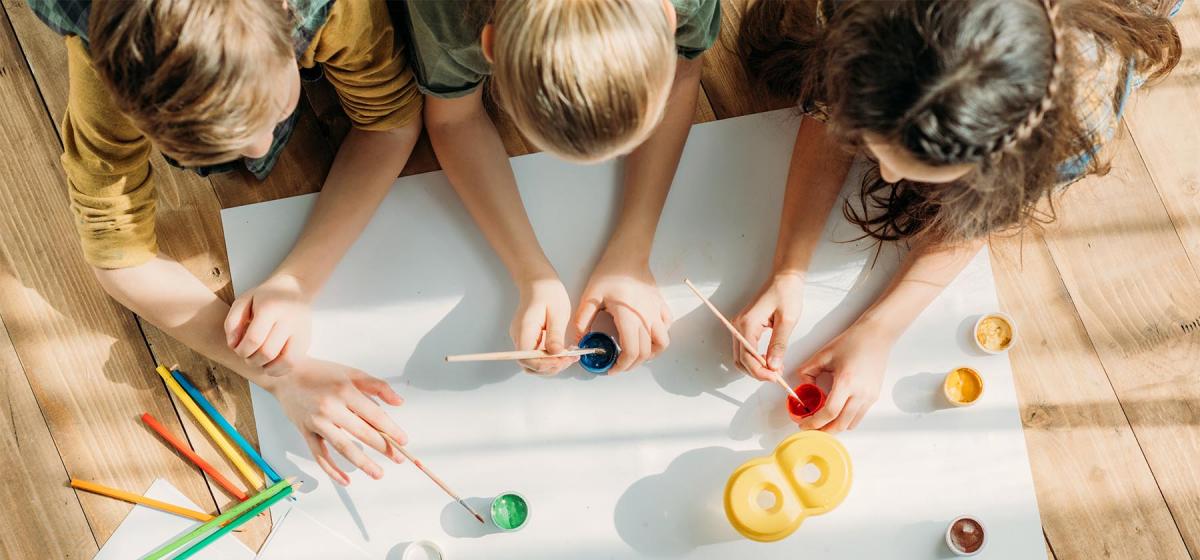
x,y
963,386
995,333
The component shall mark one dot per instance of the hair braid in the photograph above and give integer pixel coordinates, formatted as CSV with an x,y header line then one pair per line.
x,y
1022,131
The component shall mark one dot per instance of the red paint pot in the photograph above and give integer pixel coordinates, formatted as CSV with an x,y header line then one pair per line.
x,y
812,398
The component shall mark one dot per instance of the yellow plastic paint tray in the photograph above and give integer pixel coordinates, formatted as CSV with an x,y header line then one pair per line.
x,y
767,498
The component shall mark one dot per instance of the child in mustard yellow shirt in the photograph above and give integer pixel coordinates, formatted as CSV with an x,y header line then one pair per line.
x,y
213,85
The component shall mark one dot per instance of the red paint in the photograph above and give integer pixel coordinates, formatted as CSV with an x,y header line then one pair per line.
x,y
812,398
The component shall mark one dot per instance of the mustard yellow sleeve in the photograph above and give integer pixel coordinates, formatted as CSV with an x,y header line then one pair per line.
x,y
358,49
107,161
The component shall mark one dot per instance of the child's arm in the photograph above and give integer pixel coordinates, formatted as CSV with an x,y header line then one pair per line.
x,y
857,358
471,153
622,283
328,402
816,173
269,325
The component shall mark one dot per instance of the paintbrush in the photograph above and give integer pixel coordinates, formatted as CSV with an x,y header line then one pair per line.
x,y
745,343
522,355
417,463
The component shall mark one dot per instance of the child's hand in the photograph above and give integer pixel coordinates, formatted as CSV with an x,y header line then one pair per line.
x,y
331,403
269,326
777,307
541,323
629,293
856,359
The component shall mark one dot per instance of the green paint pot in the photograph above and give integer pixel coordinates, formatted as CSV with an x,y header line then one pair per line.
x,y
510,511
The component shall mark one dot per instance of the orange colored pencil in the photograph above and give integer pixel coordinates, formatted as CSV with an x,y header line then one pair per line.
x,y
187,452
136,499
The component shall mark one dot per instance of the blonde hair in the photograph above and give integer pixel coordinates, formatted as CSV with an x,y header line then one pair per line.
x,y
193,74
584,79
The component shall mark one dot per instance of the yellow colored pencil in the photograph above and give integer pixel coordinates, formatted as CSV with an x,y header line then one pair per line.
x,y
136,499
255,481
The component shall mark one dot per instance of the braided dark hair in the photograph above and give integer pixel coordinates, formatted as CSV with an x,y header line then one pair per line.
x,y
983,82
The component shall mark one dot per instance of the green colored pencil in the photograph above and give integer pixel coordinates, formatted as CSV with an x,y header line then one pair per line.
x,y
220,519
234,524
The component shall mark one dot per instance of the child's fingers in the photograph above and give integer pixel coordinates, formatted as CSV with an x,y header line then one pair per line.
x,y
256,334
339,438
660,338
629,330
378,419
781,332
320,453
584,316
236,321
271,348
849,412
374,386
862,413
838,396
556,330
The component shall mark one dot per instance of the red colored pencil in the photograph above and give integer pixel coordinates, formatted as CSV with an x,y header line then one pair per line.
x,y
187,452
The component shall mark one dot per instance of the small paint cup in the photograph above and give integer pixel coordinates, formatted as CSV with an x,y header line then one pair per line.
x,y
599,363
963,386
423,550
995,333
966,536
812,398
510,511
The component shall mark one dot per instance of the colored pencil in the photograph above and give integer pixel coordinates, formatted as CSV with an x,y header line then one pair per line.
x,y
438,481
234,524
233,513
187,452
138,499
522,355
218,438
224,425
745,343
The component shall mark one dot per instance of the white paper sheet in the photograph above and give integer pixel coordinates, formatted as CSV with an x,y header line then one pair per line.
x,y
633,465
297,536
145,529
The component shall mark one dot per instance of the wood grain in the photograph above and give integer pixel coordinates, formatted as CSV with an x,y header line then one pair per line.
x,y
37,477
189,230
1123,264
85,357
1096,494
729,92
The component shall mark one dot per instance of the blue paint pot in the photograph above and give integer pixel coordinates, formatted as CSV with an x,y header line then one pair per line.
x,y
599,363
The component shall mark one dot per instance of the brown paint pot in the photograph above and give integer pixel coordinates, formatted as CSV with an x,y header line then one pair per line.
x,y
966,536
812,399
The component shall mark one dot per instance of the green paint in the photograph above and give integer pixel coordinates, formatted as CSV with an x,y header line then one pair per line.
x,y
509,511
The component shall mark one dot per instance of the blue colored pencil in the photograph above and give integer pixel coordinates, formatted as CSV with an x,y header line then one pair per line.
x,y
234,524
225,426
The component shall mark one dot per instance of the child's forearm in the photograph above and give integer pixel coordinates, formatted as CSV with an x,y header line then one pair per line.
x,y
363,171
163,292
471,153
816,173
923,274
650,169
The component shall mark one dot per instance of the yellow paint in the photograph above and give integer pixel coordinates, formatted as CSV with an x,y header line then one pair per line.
x,y
963,386
994,333
788,498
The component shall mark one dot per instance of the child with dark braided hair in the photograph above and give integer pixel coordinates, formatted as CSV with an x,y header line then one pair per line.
x,y
974,112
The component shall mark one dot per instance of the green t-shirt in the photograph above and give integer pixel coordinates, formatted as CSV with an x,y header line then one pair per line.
x,y
449,62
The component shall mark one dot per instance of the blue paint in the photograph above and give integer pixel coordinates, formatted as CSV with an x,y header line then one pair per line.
x,y
599,363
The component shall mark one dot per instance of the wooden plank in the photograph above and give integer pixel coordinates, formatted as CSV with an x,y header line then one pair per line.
x,y
189,230
1097,495
728,90
33,474
1135,290
1164,121
85,357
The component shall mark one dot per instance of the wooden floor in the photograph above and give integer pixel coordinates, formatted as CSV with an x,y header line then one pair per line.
x,y
1107,299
